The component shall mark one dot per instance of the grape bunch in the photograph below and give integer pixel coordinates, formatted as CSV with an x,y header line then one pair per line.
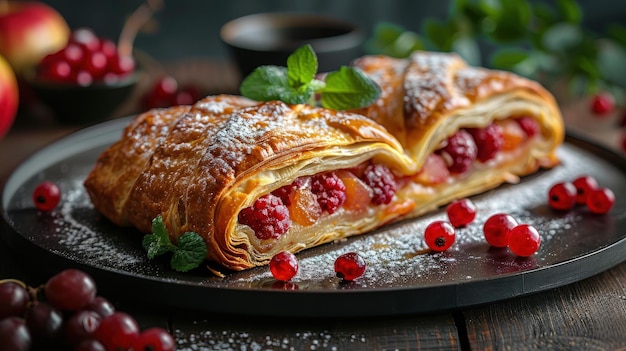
x,y
66,314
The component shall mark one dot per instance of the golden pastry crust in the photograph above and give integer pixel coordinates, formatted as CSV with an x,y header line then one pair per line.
x,y
199,166
426,97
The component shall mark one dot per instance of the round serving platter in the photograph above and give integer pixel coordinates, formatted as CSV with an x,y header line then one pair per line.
x,y
401,277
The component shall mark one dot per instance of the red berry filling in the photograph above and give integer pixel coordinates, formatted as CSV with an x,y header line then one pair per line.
x,y
459,152
529,125
382,182
489,141
287,191
329,190
268,217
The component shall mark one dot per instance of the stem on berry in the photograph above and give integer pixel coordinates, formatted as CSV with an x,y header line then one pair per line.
x,y
134,23
16,281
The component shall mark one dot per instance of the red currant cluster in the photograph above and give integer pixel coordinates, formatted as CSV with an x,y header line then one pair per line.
x,y
500,230
348,267
66,313
165,92
86,59
584,190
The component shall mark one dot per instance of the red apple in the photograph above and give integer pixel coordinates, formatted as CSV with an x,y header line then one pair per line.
x,y
28,32
8,96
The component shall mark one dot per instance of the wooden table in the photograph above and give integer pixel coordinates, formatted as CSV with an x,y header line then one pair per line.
x,y
586,315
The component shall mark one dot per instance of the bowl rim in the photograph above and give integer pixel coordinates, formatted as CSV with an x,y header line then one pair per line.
x,y
230,31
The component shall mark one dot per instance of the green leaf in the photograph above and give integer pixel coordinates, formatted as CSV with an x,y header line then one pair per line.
x,y
562,37
190,254
508,59
611,60
265,83
158,242
349,88
468,49
570,11
301,67
617,33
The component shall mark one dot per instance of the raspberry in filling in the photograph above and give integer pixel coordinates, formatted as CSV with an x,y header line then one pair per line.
x,y
268,217
489,141
382,182
529,125
287,191
330,191
459,152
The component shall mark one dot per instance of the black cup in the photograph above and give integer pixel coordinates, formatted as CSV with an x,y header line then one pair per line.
x,y
269,38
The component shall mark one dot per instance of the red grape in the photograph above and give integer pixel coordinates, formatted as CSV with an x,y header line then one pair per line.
x,y
70,290
13,300
117,331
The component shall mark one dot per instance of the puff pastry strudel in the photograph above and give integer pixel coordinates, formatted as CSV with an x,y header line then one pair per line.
x,y
254,179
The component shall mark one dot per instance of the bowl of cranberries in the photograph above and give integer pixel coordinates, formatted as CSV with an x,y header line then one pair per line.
x,y
85,81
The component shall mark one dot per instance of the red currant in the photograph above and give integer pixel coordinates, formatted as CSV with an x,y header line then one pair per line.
x,y
524,240
284,265
600,201
602,104
562,196
46,196
118,331
439,235
584,185
497,229
155,339
349,266
461,212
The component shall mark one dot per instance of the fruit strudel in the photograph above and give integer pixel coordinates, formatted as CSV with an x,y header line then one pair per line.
x,y
254,179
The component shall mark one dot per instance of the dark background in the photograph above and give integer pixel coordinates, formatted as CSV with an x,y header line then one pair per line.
x,y
190,28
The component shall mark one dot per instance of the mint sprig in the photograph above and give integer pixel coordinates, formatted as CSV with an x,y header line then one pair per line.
x,y
189,253
347,88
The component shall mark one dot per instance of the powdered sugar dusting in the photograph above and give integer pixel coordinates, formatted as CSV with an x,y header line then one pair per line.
x,y
93,246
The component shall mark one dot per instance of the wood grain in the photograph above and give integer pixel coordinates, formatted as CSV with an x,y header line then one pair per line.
x,y
588,315
222,332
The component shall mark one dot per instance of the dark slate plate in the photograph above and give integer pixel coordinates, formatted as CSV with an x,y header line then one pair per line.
x,y
401,277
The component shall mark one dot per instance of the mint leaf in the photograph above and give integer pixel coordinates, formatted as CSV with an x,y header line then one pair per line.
x,y
349,88
190,253
346,89
265,83
301,67
158,242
